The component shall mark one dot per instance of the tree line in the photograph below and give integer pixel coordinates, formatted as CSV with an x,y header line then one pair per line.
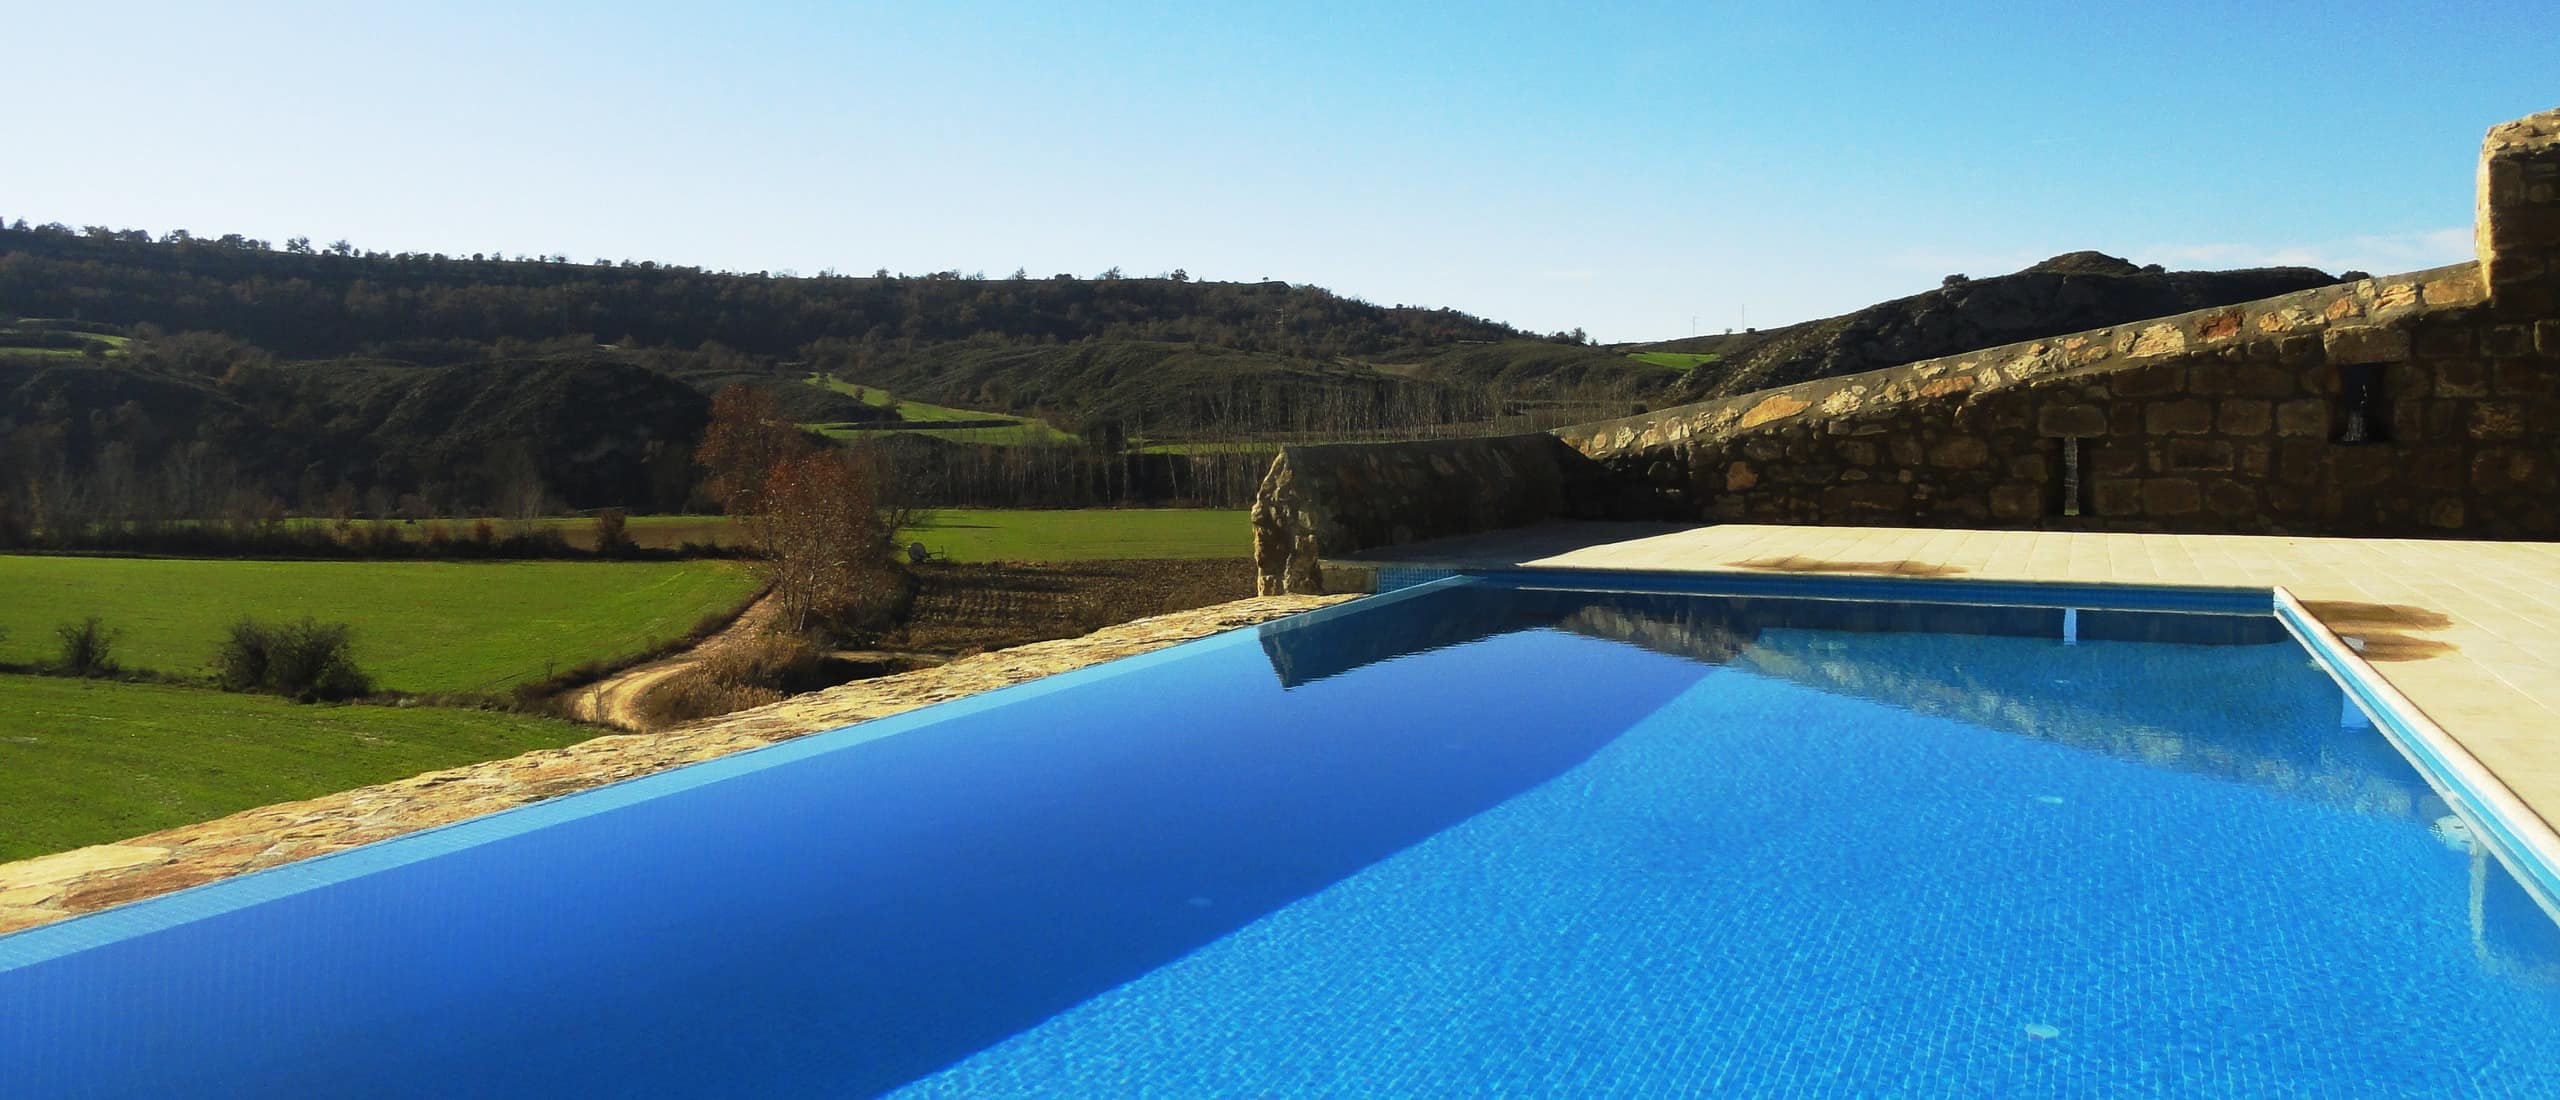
x,y
345,301
179,384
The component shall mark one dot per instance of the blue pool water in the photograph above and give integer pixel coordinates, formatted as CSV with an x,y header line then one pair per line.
x,y
1472,839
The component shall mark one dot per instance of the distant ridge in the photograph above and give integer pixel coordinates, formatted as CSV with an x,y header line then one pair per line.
x,y
2068,293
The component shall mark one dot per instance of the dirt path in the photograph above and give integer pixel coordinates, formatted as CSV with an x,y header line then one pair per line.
x,y
615,700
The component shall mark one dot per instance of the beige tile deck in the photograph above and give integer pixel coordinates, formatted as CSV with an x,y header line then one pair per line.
x,y
2468,631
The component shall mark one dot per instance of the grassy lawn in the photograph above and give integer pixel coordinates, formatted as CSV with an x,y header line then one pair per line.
x,y
1676,360
1091,534
470,627
86,762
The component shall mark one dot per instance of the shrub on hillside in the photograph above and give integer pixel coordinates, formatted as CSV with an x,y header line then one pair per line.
x,y
381,538
88,648
309,661
613,533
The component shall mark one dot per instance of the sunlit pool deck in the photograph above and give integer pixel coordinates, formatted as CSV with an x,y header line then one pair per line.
x,y
2464,630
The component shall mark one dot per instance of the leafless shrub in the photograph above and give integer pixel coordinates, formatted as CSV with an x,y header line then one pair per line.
x,y
749,673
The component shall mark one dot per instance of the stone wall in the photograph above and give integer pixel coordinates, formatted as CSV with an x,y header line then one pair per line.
x,y
2395,406
2417,405
1333,498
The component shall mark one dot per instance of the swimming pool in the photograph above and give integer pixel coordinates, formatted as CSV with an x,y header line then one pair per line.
x,y
1524,835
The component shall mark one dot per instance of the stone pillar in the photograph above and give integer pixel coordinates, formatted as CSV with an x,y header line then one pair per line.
x,y
1284,555
2518,225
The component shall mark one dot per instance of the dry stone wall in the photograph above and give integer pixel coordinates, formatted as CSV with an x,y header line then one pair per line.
x,y
1319,500
2396,406
2412,405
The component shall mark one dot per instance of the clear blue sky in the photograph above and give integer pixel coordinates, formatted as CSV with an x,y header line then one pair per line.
x,y
1620,169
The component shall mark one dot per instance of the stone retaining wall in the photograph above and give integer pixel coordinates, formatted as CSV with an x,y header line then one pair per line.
x,y
2395,406
2420,404
1329,498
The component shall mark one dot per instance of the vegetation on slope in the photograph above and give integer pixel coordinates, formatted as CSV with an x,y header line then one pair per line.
x,y
204,377
938,421
1676,360
281,376
337,301
2068,293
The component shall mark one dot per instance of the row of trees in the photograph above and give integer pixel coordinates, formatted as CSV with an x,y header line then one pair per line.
x,y
307,303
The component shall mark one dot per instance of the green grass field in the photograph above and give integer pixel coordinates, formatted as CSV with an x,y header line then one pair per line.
x,y
113,345
978,534
1676,360
1247,448
1090,534
86,762
1020,434
921,418
907,410
975,534
463,627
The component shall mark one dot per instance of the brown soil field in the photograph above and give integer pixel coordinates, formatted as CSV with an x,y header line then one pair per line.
x,y
972,607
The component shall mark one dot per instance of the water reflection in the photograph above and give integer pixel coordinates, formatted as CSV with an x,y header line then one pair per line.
x,y
2031,671
2266,717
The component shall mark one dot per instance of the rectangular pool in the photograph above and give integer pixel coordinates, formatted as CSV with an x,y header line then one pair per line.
x,y
1530,835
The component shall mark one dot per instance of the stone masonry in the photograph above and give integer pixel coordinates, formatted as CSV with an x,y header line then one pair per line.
x,y
2421,404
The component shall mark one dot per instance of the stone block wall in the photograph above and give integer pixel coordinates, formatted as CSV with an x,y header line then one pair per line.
x,y
2518,228
1331,499
2425,404
2405,405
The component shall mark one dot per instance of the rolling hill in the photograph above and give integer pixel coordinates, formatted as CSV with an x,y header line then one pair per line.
x,y
2068,293
190,372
